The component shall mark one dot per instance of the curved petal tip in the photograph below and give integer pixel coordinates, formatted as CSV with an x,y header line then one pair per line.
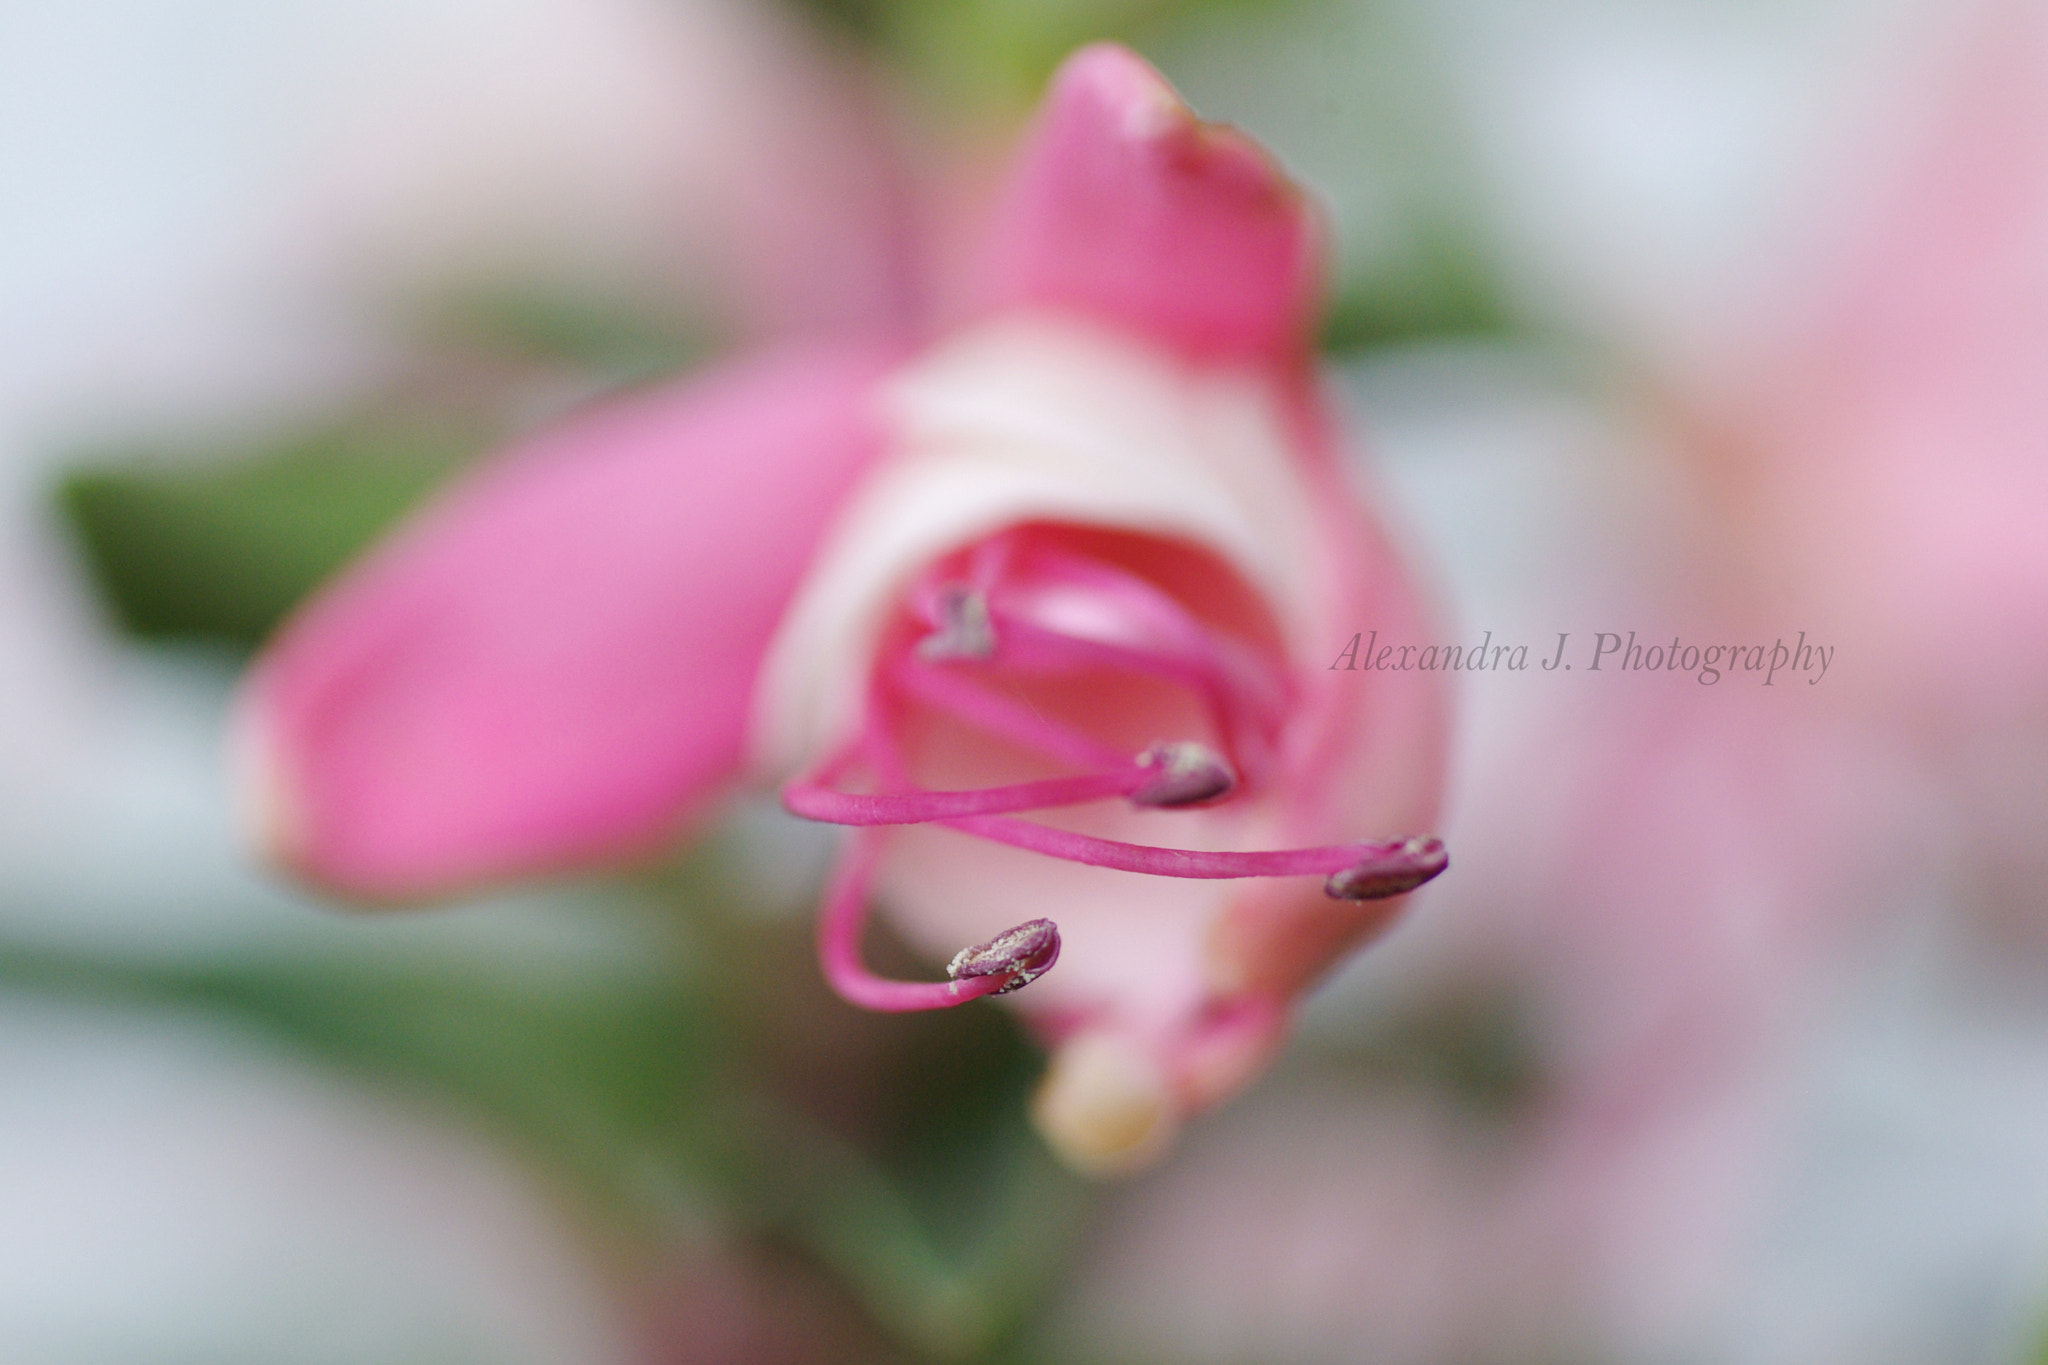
x,y
1105,1106
1125,206
263,800
552,663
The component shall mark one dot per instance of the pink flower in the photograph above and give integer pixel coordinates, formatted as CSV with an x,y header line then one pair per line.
x,y
1093,542
1887,413
1881,420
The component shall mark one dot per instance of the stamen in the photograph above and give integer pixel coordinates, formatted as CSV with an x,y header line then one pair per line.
x,y
959,696
959,614
1016,957
1025,645
1150,617
1030,646
1005,963
1082,600
1180,774
1027,608
816,802
1368,870
1184,774
1417,861
1041,608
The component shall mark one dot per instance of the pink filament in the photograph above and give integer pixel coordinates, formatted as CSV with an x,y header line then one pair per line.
x,y
1157,621
959,696
840,924
1131,625
814,801
1390,856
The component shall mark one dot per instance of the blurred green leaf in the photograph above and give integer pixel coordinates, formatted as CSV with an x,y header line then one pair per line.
x,y
185,541
1473,1050
1366,105
1440,286
982,59
953,1276
894,1149
613,341
222,549
599,1077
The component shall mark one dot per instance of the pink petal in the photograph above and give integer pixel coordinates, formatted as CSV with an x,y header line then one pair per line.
x,y
553,663
1899,416
1124,206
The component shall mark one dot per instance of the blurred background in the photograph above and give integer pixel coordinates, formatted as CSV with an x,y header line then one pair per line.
x,y
1726,1039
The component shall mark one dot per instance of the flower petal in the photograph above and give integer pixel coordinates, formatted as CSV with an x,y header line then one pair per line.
x,y
553,663
1026,419
1896,415
1125,206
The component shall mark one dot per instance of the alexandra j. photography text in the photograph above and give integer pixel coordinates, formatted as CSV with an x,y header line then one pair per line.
x,y
1605,651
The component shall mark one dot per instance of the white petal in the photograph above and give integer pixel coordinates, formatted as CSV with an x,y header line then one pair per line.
x,y
1034,418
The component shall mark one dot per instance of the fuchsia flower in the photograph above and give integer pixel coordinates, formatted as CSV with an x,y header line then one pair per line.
x,y
1086,555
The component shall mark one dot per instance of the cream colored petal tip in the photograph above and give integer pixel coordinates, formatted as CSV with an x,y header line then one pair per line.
x,y
261,800
1105,1106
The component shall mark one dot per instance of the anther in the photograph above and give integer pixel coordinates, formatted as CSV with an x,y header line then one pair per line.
x,y
961,625
1017,957
1006,962
1183,774
1389,873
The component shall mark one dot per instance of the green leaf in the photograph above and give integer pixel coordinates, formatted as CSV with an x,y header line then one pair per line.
x,y
955,1236
613,341
977,59
221,549
1440,286
1472,1049
600,1075
896,1150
